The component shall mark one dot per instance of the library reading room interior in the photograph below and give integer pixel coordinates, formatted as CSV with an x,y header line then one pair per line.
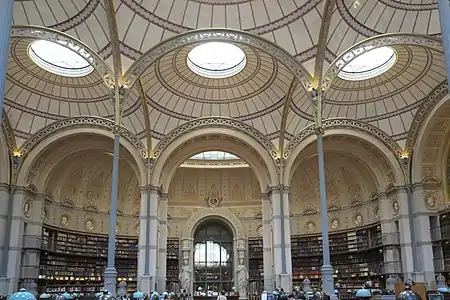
x,y
223,145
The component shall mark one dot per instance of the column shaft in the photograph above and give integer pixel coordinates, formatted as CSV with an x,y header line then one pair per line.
x,y
162,259
5,35
269,283
391,251
444,15
405,234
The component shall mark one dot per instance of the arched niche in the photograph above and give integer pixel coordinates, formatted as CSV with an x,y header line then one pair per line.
x,y
225,139
384,163
32,164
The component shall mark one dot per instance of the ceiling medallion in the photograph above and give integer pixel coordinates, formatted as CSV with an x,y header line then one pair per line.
x,y
216,60
214,202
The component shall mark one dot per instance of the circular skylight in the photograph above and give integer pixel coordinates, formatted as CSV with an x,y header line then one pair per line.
x,y
214,155
371,63
61,58
216,60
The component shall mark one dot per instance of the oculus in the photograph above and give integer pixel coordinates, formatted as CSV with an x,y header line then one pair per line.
x,y
61,58
214,155
216,60
370,62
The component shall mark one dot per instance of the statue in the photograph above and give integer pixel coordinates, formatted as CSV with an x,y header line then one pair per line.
x,y
185,278
242,280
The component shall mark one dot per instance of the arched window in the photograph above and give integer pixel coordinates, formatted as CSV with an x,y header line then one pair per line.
x,y
213,257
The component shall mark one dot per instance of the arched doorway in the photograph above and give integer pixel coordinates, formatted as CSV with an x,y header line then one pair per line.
x,y
213,257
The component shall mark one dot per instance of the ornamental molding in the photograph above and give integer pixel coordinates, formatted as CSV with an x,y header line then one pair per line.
x,y
8,133
79,18
217,122
345,124
95,122
213,213
422,114
52,35
209,35
376,42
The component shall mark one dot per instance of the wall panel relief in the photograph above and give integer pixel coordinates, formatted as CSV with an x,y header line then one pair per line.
x,y
350,189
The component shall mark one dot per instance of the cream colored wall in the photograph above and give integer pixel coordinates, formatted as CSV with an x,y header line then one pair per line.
x,y
236,188
80,189
350,189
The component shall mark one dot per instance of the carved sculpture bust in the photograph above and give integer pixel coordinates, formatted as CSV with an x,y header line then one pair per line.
x,y
242,279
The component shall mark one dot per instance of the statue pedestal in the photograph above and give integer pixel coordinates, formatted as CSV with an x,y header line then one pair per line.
x,y
147,284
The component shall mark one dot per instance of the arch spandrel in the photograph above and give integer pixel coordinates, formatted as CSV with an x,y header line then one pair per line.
x,y
264,150
40,145
390,150
213,213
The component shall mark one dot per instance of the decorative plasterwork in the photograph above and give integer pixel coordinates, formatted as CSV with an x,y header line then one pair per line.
x,y
423,113
213,213
81,122
375,42
52,35
8,132
345,123
224,35
215,122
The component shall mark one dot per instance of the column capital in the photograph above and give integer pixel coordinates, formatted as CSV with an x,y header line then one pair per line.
x,y
150,188
164,197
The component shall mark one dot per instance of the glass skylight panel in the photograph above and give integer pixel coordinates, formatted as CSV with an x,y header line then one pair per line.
x,y
371,63
216,60
214,155
61,58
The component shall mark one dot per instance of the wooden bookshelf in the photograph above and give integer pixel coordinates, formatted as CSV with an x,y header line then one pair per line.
x,y
78,260
355,254
172,264
444,221
255,265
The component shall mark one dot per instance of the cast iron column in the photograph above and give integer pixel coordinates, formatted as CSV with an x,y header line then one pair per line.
x,y
327,269
6,9
444,15
110,275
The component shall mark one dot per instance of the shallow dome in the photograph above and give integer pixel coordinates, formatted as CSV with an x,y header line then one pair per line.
x,y
61,58
216,60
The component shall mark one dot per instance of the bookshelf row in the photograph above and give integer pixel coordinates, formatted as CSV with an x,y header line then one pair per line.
x,y
354,254
444,222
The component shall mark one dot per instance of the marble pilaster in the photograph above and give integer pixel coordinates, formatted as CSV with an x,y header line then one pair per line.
x,y
269,283
162,245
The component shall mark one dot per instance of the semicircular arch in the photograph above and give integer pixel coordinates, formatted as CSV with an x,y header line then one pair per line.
x,y
52,35
389,149
430,149
221,213
389,39
217,34
39,147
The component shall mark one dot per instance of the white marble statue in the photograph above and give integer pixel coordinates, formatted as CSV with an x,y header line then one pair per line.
x,y
242,280
185,278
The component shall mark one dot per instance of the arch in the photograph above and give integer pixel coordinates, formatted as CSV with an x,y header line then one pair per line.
x,y
426,128
382,142
43,139
389,39
52,35
216,34
221,213
258,142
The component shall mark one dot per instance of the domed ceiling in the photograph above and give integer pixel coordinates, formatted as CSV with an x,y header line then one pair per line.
x,y
315,32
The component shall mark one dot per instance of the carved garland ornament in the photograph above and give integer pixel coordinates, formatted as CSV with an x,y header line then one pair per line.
x,y
81,122
43,33
345,123
225,35
378,41
215,122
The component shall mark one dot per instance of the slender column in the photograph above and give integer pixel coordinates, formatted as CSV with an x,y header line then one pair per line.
x,y
406,244
5,35
281,238
148,240
444,15
389,232
269,283
4,204
327,269
110,272
162,260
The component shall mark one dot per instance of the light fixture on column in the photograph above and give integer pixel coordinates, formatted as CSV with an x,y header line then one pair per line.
x,y
327,269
